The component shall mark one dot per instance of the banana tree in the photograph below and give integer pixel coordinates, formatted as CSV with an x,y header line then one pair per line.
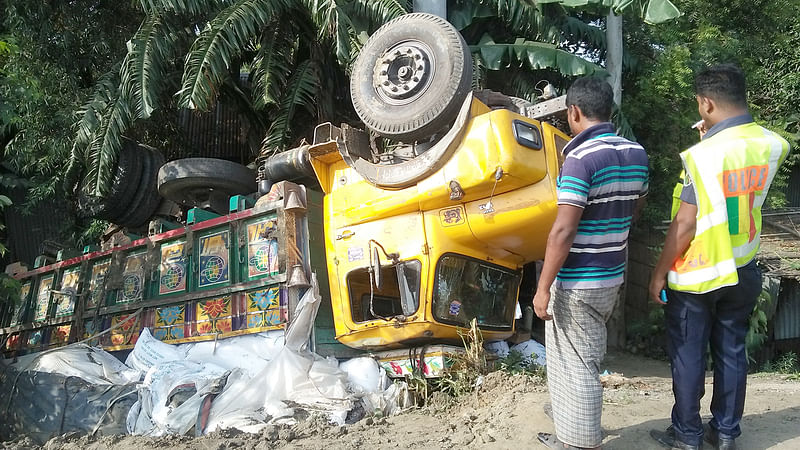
x,y
189,53
650,11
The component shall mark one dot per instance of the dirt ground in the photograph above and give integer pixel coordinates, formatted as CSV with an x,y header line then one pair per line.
x,y
504,413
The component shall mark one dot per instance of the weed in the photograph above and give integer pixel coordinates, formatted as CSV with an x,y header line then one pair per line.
x,y
515,363
786,364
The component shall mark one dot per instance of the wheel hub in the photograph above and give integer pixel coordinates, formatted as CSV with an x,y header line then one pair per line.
x,y
403,72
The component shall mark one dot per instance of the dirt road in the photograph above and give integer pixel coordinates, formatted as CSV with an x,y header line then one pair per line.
x,y
505,413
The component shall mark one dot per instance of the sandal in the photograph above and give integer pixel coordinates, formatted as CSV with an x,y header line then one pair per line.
x,y
551,441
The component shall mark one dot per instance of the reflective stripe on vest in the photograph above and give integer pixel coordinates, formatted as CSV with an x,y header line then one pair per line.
x,y
732,172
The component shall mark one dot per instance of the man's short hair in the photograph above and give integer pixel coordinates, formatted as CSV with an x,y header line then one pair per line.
x,y
593,96
722,83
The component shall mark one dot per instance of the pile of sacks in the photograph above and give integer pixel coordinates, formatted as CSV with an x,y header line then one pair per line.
x,y
244,382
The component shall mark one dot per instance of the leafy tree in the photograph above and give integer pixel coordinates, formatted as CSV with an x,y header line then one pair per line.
x,y
661,103
298,54
51,55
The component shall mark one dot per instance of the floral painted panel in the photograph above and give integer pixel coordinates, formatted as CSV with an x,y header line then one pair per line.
x,y
13,342
172,269
65,301
263,308
214,316
59,335
43,298
262,248
214,261
90,328
125,334
133,278
99,271
170,322
35,338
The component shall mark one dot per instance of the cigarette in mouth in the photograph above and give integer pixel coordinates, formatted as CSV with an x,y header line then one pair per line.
x,y
698,124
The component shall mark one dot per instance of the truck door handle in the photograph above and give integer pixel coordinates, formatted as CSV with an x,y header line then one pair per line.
x,y
346,234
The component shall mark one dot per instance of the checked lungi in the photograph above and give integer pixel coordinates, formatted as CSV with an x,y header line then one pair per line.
x,y
576,345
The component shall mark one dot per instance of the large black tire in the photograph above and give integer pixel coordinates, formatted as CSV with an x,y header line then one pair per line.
x,y
193,181
151,199
146,199
126,180
411,77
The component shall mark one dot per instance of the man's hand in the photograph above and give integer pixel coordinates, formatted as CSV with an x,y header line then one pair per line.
x,y
540,302
657,283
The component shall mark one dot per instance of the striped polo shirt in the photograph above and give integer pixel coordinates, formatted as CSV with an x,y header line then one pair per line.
x,y
605,175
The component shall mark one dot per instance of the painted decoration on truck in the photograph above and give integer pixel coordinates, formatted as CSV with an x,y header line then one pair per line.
x,y
132,278
13,341
43,298
90,328
169,322
172,270
452,216
59,335
264,308
99,271
213,261
65,300
214,316
127,332
262,248
19,309
35,338
430,366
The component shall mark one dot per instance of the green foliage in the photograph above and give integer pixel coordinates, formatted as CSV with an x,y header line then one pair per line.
x,y
786,364
762,37
516,363
52,55
757,325
532,56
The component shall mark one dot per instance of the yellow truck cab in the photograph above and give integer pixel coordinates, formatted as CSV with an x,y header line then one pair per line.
x,y
411,265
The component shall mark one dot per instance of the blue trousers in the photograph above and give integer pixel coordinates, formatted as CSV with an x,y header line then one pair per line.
x,y
721,318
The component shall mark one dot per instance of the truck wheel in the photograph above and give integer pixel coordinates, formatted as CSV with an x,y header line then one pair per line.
x,y
145,200
123,188
194,181
411,77
126,180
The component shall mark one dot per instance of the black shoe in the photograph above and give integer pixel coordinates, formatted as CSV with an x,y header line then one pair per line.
x,y
712,437
668,439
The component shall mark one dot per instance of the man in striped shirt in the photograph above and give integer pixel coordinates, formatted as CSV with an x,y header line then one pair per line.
x,y
601,185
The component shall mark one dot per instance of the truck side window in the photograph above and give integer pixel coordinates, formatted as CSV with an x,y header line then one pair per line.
x,y
468,288
387,301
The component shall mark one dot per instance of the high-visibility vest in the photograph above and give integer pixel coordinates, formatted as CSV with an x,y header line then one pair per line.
x,y
676,196
731,172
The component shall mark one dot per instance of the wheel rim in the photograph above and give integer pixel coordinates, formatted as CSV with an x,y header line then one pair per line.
x,y
404,72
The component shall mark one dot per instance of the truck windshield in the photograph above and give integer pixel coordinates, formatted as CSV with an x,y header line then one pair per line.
x,y
386,302
467,288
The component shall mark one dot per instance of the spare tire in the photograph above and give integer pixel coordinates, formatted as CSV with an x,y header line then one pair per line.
x,y
143,204
411,77
193,181
147,198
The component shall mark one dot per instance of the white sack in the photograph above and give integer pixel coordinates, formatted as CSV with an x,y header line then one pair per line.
x,y
364,375
250,353
92,364
499,348
532,351
149,351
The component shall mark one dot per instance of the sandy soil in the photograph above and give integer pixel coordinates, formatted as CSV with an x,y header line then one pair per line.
x,y
505,413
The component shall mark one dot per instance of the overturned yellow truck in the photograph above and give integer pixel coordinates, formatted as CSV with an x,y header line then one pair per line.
x,y
423,223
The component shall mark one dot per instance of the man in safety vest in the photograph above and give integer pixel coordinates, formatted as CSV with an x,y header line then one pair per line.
x,y
707,264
